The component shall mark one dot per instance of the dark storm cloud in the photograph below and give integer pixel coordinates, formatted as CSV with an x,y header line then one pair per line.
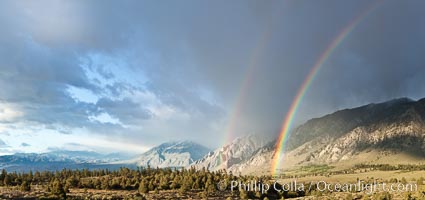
x,y
36,79
380,60
196,55
126,110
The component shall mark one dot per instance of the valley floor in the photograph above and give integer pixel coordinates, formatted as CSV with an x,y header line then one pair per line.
x,y
409,177
14,193
314,175
10,193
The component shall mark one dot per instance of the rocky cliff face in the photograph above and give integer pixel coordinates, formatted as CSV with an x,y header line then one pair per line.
x,y
394,127
372,133
341,122
238,151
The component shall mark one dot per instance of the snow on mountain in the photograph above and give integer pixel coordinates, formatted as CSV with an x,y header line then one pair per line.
x,y
60,156
238,151
171,154
57,160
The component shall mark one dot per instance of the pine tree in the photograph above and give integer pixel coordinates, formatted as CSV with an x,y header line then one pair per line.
x,y
184,188
2,177
104,184
57,189
151,185
25,186
7,181
210,189
143,187
163,184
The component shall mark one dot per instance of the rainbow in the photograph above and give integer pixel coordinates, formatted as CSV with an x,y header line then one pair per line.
x,y
289,118
252,68
247,80
244,88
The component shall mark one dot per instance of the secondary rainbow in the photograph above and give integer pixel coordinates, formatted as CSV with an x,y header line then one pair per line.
x,y
248,79
287,123
244,88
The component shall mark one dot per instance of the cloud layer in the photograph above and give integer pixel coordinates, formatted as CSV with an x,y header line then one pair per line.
x,y
142,73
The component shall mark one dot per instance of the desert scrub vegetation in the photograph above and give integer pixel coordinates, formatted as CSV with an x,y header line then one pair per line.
x,y
138,183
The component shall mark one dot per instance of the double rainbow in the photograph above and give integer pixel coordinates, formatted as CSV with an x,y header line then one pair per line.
x,y
289,118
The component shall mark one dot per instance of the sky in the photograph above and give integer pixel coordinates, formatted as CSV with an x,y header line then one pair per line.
x,y
125,76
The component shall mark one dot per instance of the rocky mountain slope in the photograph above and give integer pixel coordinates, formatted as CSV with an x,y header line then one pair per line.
x,y
396,125
237,152
391,132
171,154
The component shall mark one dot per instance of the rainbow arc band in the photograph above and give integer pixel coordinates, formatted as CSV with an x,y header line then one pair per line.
x,y
287,123
247,81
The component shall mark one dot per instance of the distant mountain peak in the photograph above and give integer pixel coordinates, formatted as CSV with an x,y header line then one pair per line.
x,y
171,154
233,153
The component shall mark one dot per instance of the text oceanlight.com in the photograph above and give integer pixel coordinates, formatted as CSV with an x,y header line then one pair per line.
x,y
321,186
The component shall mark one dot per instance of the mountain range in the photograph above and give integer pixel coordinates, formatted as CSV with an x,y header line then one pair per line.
x,y
391,132
171,154
59,159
